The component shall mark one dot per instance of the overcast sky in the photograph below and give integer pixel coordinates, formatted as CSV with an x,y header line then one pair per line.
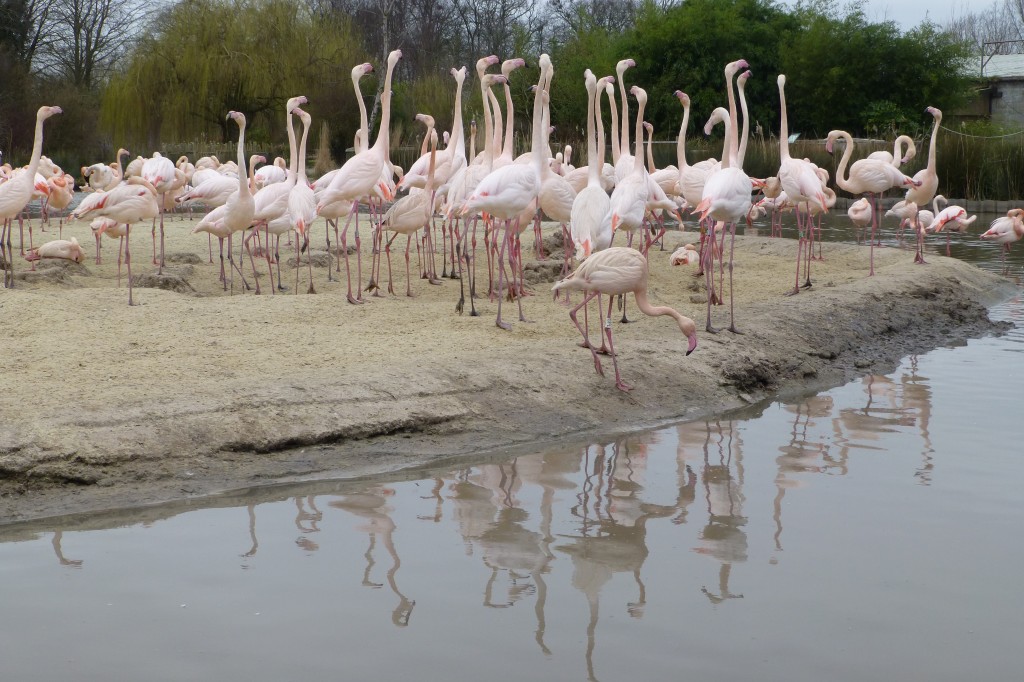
x,y
910,13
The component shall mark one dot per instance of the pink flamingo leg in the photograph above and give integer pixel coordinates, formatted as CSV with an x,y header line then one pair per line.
x,y
586,341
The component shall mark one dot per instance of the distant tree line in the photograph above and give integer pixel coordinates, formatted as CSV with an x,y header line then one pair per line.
x,y
140,74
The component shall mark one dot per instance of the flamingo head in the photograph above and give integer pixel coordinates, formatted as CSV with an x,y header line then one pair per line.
x,y
394,57
510,65
684,99
717,116
361,70
46,112
742,79
639,93
237,116
624,64
648,127
781,80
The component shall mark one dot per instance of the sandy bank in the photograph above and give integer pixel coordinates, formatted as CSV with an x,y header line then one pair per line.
x,y
189,393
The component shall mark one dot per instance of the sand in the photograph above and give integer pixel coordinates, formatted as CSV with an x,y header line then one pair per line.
x,y
196,391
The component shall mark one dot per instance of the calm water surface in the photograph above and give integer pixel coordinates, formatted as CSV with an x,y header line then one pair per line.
x,y
868,532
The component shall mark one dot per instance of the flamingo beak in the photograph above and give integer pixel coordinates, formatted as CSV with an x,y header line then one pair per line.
x,y
692,345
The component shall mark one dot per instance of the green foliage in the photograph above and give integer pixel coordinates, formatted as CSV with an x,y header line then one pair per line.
x,y
207,57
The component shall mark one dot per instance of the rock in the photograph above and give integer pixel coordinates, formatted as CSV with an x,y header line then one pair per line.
x,y
170,280
546,271
183,257
320,259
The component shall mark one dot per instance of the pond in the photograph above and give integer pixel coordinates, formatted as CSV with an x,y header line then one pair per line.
x,y
866,532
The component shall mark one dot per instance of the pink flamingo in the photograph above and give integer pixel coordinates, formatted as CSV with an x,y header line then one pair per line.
x,y
57,249
1006,230
617,271
800,183
866,176
359,177
927,176
953,215
130,202
17,192
236,214
160,172
859,213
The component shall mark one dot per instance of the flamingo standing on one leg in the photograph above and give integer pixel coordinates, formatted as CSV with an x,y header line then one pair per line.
x,y
613,272
1006,230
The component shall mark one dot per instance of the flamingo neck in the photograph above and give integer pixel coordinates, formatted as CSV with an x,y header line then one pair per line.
x,y
784,125
681,139
638,137
302,152
457,142
931,144
686,325
243,179
842,178
364,123
593,165
624,135
383,142
742,153
293,157
599,127
507,150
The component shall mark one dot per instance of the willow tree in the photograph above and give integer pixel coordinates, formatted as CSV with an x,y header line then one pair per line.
x,y
203,58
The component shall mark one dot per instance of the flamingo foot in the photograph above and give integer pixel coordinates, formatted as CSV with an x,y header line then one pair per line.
x,y
353,300
734,330
806,285
623,386
503,325
792,292
711,330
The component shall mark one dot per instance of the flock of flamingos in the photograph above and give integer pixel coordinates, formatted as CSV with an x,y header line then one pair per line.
x,y
497,191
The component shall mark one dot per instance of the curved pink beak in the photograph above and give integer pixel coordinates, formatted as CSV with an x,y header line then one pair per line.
x,y
693,344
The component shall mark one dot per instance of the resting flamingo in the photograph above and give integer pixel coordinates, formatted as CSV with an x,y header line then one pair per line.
x,y
953,215
1006,230
613,272
860,214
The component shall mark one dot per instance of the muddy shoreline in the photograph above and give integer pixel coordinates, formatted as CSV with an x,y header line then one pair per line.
x,y
195,392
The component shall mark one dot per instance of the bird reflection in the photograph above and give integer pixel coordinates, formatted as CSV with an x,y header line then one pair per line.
x,y
371,506
435,494
255,543
612,528
723,538
58,536
917,397
307,521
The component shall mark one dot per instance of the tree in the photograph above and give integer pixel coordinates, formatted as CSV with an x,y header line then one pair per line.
x,y
205,57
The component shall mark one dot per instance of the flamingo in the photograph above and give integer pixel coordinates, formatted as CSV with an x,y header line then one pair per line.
x,y
160,172
686,254
1006,230
360,176
624,163
130,202
617,271
62,191
629,198
268,175
589,221
236,214
271,202
866,176
927,177
898,157
508,191
860,213
556,199
907,212
953,215
800,183
692,178
413,211
17,192
301,207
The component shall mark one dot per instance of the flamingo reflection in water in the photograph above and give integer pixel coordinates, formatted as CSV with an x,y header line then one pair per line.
x,y
612,530
371,505
58,538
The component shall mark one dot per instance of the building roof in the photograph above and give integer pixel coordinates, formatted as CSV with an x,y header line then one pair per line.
x,y
999,66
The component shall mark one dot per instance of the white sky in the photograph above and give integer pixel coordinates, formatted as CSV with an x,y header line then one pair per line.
x,y
910,13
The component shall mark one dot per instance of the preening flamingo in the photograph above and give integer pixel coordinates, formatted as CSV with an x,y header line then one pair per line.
x,y
17,192
617,271
954,216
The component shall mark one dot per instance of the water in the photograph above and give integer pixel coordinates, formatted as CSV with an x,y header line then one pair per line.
x,y
868,532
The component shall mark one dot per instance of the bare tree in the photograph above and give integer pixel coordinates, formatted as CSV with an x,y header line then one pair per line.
x,y
994,29
87,37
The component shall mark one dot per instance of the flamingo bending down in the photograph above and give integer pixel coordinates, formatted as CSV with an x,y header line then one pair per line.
x,y
130,202
617,271
955,216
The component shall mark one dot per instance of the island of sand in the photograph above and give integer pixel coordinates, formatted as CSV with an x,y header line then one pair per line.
x,y
195,390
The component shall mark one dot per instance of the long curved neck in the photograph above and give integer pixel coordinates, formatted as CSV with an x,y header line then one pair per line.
x,y
494,140
364,123
383,142
593,166
784,125
472,144
243,179
537,143
624,141
293,157
726,144
638,136
599,127
117,162
302,152
433,160
842,178
731,130
509,122
252,174
485,94
646,308
37,150
681,139
650,153
742,153
457,142
616,149
931,144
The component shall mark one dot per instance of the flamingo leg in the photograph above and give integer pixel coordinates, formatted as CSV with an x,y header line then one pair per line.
x,y
344,248
128,260
586,341
501,276
619,383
